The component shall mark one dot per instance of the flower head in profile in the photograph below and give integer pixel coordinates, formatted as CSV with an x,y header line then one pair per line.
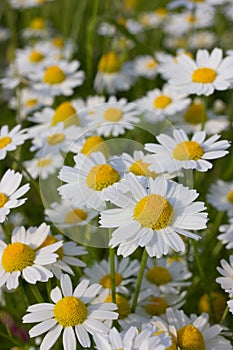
x,y
152,217
177,152
72,312
24,256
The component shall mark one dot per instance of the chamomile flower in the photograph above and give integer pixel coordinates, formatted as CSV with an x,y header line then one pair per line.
x,y
44,166
19,4
155,18
67,255
190,4
203,39
91,144
24,257
226,270
227,234
88,181
64,215
220,196
177,152
10,193
58,79
209,72
131,339
167,101
114,117
112,75
146,66
153,218
72,312
125,273
192,332
10,139
37,28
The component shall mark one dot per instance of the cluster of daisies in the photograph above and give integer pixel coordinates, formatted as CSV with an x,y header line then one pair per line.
x,y
100,253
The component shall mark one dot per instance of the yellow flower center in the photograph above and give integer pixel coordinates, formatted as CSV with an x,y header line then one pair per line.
x,y
188,150
198,0
95,144
190,338
58,42
106,280
4,141
139,168
75,216
102,176
51,240
17,256
191,19
43,163
151,64
54,75
172,337
70,311
123,307
204,75
161,12
171,259
218,301
158,275
113,114
3,199
156,306
37,23
55,139
194,113
65,113
230,197
109,63
31,102
36,56
153,211
162,101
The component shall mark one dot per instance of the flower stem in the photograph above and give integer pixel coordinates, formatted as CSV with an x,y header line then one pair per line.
x,y
112,273
204,116
139,280
36,293
224,315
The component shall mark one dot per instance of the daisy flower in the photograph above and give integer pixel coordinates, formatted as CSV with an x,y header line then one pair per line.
x,y
192,332
230,305
220,196
58,79
154,19
88,181
64,215
125,273
190,4
201,40
146,66
112,75
9,140
167,101
226,270
209,72
72,312
24,257
20,5
114,117
153,218
44,166
37,28
132,339
67,255
227,234
91,144
10,192
177,152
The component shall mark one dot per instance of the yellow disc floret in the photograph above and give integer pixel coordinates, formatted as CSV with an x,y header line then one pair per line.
x,y
113,114
58,42
54,75
75,216
153,211
4,141
109,63
151,64
54,139
17,256
65,113
95,143
36,56
162,101
102,176
204,75
3,199
43,162
156,306
190,338
37,24
158,275
194,113
188,150
106,280
230,196
123,307
139,168
214,304
31,102
70,311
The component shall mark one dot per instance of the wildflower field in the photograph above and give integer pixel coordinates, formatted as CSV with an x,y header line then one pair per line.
x,y
116,175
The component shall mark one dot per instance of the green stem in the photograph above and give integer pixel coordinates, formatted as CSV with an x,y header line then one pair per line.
x,y
91,30
112,270
139,280
224,315
36,293
10,339
204,116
